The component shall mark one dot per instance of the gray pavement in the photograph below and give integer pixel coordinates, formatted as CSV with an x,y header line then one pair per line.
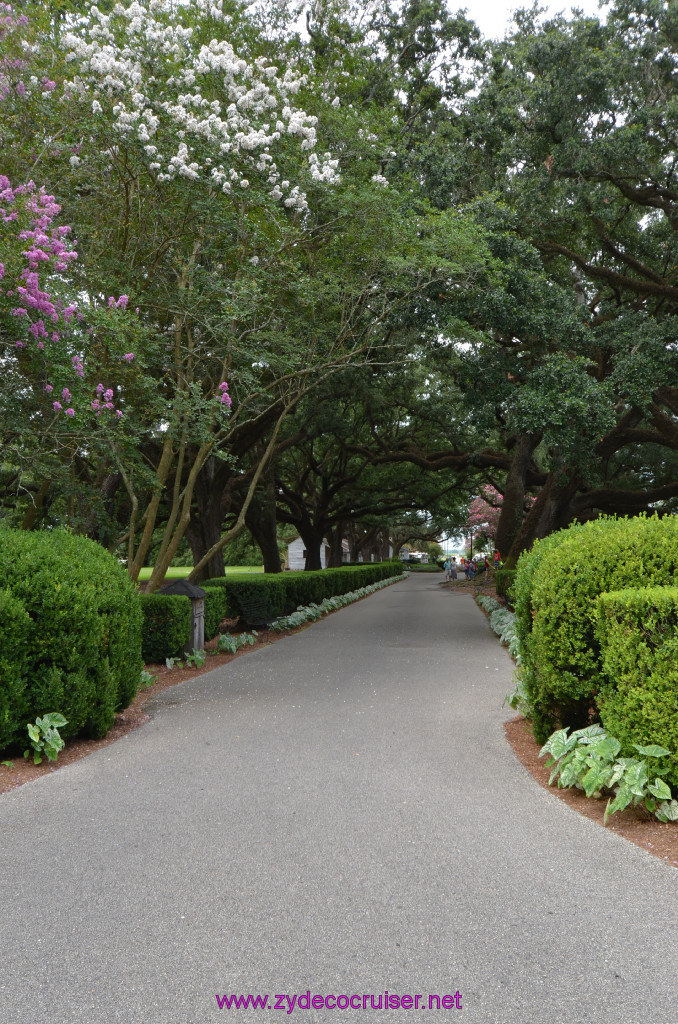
x,y
338,814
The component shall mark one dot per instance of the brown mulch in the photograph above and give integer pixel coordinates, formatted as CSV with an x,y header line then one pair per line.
x,y
125,721
658,838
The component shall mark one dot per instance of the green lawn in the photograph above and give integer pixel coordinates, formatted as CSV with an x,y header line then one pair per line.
x,y
179,572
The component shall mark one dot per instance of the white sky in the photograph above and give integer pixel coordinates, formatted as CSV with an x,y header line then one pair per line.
x,y
493,16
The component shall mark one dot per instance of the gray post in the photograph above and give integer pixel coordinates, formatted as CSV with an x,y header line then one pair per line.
x,y
198,623
197,596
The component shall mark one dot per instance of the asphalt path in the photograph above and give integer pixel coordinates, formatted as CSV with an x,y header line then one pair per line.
x,y
337,814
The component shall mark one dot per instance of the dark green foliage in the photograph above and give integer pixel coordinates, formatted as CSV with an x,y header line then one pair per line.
x,y
260,598
83,639
217,606
15,627
505,578
637,630
232,611
556,587
167,626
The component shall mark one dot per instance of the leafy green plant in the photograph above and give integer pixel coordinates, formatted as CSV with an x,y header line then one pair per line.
x,y
45,738
588,759
7,764
227,644
173,662
196,659
147,679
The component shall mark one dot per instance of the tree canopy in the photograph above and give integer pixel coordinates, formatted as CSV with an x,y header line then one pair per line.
x,y
338,265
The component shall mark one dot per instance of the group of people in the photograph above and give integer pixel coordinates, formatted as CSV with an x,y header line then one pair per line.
x,y
469,567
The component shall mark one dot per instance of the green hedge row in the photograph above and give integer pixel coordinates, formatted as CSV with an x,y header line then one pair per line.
x,y
70,634
638,634
259,598
556,588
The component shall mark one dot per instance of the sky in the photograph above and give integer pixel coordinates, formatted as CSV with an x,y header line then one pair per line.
x,y
494,16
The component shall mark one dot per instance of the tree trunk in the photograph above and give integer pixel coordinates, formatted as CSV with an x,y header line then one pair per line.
x,y
312,539
336,550
550,512
512,507
261,522
205,527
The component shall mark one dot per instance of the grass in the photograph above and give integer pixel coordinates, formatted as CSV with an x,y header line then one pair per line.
x,y
180,572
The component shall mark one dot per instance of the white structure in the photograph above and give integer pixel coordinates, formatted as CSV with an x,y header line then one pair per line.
x,y
296,553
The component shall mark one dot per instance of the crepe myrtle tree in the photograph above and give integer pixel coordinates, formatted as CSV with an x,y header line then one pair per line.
x,y
54,399
185,165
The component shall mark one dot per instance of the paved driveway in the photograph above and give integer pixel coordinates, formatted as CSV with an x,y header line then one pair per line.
x,y
338,814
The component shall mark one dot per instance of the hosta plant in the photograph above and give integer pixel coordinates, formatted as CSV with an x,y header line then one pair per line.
x,y
45,738
588,759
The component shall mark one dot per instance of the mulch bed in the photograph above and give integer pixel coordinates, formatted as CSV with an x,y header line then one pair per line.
x,y
635,824
658,838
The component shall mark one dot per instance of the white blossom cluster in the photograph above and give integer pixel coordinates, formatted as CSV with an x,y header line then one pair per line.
x,y
199,111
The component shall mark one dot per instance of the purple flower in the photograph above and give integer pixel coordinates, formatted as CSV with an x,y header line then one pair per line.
x,y
128,357
100,389
226,399
223,386
56,406
48,388
122,302
118,413
65,393
108,394
70,412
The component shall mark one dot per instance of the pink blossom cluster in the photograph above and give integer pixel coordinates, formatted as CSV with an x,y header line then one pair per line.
x,y
120,303
104,402
484,512
46,252
223,396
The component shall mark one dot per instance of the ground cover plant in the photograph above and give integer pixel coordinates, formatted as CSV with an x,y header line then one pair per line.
x,y
589,759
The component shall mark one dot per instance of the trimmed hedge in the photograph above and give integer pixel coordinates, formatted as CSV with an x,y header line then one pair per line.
x,y
638,634
166,626
262,597
222,583
15,629
70,633
217,607
556,587
504,580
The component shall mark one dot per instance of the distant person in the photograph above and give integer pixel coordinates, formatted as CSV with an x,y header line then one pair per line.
x,y
447,566
471,572
453,569
487,564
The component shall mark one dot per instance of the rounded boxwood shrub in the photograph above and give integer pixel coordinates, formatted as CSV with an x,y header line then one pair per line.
x,y
556,587
83,647
638,703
